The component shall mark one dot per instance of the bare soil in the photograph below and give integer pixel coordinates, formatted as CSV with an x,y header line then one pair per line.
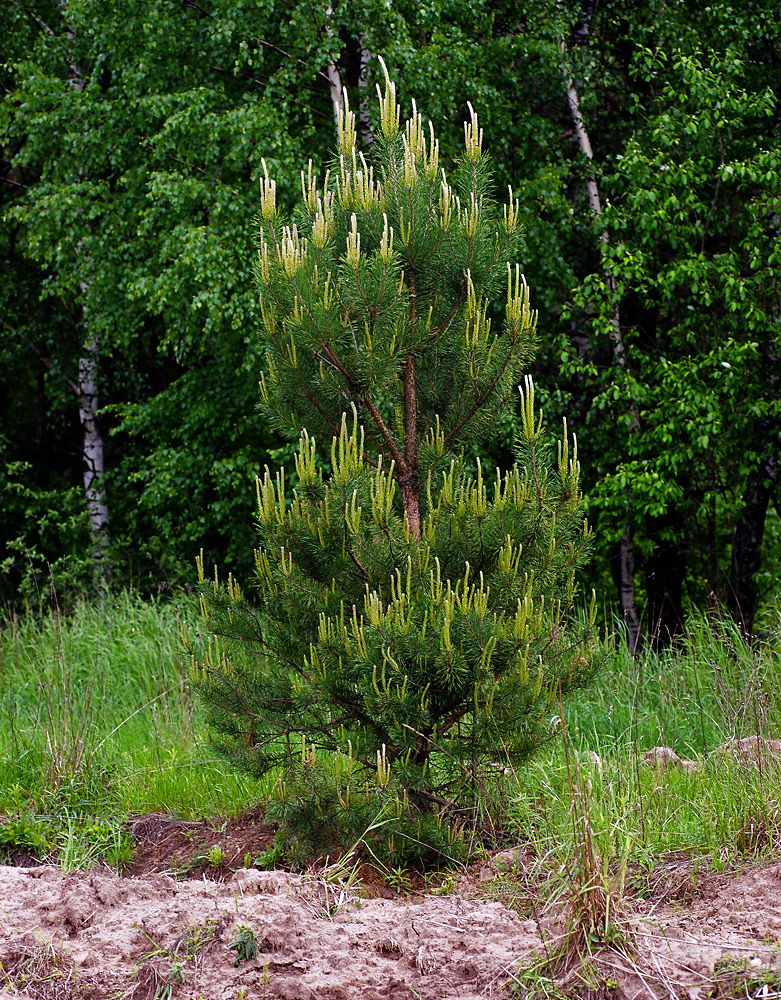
x,y
175,926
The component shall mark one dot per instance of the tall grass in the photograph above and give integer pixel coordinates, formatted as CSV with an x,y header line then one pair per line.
x,y
96,714
709,688
97,718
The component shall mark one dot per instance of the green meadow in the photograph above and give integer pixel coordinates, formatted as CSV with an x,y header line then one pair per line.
x,y
98,723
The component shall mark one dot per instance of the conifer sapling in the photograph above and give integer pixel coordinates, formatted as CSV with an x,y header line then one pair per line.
x,y
413,614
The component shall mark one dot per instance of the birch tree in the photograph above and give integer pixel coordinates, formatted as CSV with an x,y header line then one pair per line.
x,y
626,547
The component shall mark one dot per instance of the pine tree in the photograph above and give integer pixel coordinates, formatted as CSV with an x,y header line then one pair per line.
x,y
413,617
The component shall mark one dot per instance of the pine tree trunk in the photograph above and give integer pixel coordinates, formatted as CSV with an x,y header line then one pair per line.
x,y
409,480
626,560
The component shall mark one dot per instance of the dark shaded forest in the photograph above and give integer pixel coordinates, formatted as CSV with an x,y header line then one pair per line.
x,y
642,141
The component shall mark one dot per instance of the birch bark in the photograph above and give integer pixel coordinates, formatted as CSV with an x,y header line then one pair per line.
x,y
626,559
335,81
92,446
336,85
87,383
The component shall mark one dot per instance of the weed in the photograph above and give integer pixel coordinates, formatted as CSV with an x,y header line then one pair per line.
x,y
512,892
199,936
216,856
269,858
398,878
440,885
586,894
174,978
244,944
745,978
84,843
188,946
24,833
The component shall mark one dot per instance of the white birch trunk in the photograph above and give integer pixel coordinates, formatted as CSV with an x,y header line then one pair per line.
x,y
336,88
87,392
364,121
92,446
335,82
626,546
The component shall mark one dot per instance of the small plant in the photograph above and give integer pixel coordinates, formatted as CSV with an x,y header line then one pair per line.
x,y
199,936
244,944
110,841
744,978
174,978
24,833
512,892
398,879
269,858
82,843
215,856
187,948
439,885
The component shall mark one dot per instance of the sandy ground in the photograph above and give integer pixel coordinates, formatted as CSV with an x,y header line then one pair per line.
x,y
95,934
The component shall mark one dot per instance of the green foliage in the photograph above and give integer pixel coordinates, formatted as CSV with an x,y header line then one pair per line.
x,y
82,843
215,856
683,438
245,945
270,858
150,172
37,521
324,802
413,618
25,832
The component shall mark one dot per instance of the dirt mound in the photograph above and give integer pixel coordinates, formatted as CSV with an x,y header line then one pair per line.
x,y
181,847
302,938
299,937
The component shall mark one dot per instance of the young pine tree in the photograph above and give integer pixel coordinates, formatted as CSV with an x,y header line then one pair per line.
x,y
413,616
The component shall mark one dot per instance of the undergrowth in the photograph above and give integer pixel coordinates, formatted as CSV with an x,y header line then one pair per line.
x,y
97,723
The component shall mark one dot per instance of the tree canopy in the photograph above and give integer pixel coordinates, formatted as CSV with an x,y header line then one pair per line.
x,y
132,146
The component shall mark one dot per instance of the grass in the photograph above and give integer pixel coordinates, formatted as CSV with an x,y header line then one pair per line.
x,y
97,722
709,688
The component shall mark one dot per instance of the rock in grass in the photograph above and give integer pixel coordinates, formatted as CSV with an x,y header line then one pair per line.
x,y
663,757
752,751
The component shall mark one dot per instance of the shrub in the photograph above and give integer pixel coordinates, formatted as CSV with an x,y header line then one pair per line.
x,y
414,618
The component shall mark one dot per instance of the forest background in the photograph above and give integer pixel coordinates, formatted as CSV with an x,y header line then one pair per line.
x,y
643,141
